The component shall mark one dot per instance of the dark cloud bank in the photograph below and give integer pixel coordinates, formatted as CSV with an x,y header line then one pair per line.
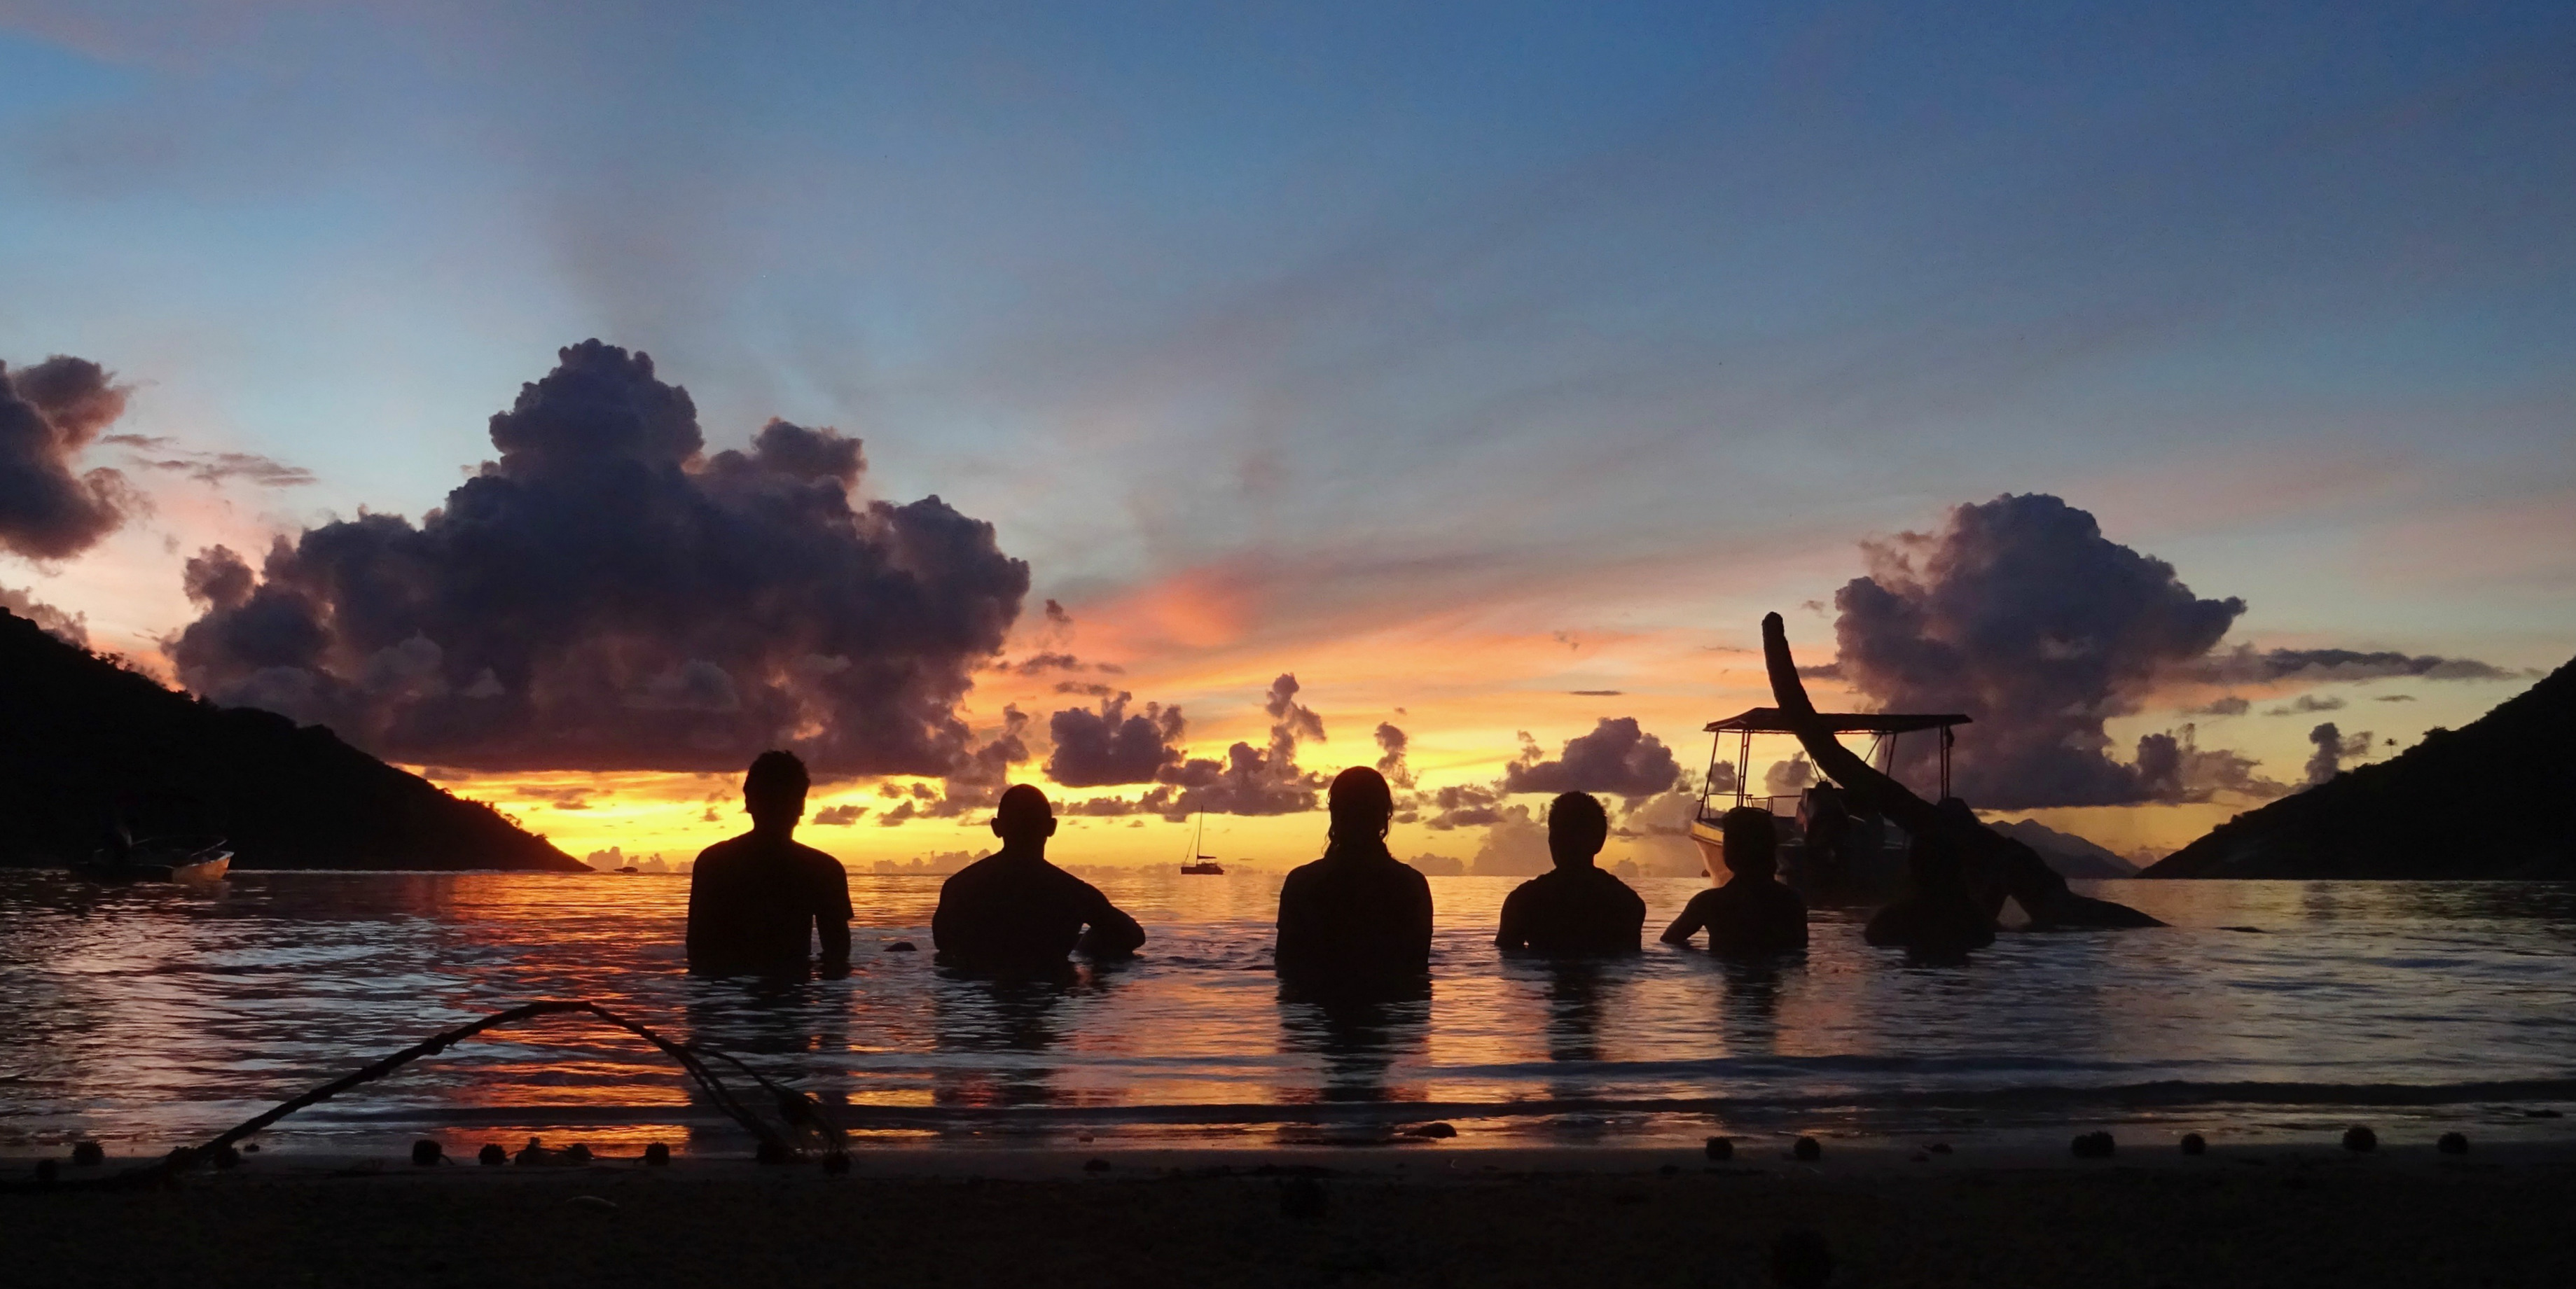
x,y
2023,615
49,414
606,595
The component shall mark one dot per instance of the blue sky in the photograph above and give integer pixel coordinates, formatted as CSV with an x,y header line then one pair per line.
x,y
1620,319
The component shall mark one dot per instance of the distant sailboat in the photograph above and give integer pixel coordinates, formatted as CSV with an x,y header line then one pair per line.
x,y
1197,862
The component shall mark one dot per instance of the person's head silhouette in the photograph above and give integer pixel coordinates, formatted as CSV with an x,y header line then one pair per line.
x,y
773,792
1024,819
1576,828
1752,842
1362,805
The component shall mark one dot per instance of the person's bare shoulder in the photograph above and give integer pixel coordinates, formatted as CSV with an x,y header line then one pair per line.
x,y
818,858
722,853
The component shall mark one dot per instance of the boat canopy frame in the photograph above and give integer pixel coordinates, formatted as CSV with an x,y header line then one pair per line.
x,y
1885,726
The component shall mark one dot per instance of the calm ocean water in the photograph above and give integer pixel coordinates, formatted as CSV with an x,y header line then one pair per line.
x,y
151,1016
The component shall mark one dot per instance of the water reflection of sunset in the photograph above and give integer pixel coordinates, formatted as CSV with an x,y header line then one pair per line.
x,y
162,1013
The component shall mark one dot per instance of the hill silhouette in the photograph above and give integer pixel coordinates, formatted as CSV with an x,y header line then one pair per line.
x,y
2070,855
2487,800
89,740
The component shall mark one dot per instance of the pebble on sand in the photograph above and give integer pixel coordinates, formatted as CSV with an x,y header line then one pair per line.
x,y
2095,1145
1436,1130
2194,1144
227,1157
425,1152
1095,1165
87,1154
657,1155
1800,1260
2360,1140
2452,1143
1720,1148
492,1154
1808,1149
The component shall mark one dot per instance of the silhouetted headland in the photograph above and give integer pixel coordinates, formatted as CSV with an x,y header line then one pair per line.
x,y
760,901
89,743
1355,922
1577,907
1013,912
2487,800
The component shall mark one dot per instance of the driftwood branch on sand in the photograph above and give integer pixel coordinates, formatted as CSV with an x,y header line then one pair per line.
x,y
2000,865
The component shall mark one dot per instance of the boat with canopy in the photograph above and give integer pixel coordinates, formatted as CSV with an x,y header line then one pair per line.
x,y
1826,848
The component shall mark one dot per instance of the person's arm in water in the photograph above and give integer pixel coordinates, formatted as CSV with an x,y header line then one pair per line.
x,y
1417,931
1514,931
944,936
1111,933
1693,918
832,916
701,933
1289,950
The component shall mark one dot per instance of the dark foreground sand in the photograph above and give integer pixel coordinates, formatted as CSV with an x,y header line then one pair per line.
x,y
1420,1216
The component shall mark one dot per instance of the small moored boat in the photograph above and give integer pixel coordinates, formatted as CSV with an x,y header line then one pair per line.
x,y
160,859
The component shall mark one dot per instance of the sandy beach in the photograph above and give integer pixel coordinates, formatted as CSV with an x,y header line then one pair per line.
x,y
1425,1215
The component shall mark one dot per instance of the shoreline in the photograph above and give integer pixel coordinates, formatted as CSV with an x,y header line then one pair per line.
x,y
1431,1215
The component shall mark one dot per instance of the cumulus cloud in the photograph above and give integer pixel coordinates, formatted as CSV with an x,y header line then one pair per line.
x,y
1616,758
1514,846
2228,705
1248,780
70,628
840,816
1252,781
1112,745
2021,614
49,414
1463,805
1390,762
1789,778
975,779
606,595
2334,747
2172,766
2394,698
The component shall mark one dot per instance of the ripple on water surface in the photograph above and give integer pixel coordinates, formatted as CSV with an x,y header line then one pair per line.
x,y
150,1014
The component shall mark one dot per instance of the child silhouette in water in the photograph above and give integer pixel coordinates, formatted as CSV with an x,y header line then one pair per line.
x,y
1577,908
1751,916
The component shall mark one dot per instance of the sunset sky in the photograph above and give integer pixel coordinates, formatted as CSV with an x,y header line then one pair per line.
x,y
1491,369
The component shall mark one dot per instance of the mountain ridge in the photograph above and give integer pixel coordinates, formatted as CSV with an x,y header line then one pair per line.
x,y
2487,800
90,741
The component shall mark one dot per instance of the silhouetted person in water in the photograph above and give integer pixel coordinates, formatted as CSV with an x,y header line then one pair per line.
x,y
756,901
1937,916
1751,916
1577,908
1015,913
1355,920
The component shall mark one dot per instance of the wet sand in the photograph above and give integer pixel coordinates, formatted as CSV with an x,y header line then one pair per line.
x,y
1420,1215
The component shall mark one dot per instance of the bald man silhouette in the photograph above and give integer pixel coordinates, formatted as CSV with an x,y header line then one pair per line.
x,y
1013,912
